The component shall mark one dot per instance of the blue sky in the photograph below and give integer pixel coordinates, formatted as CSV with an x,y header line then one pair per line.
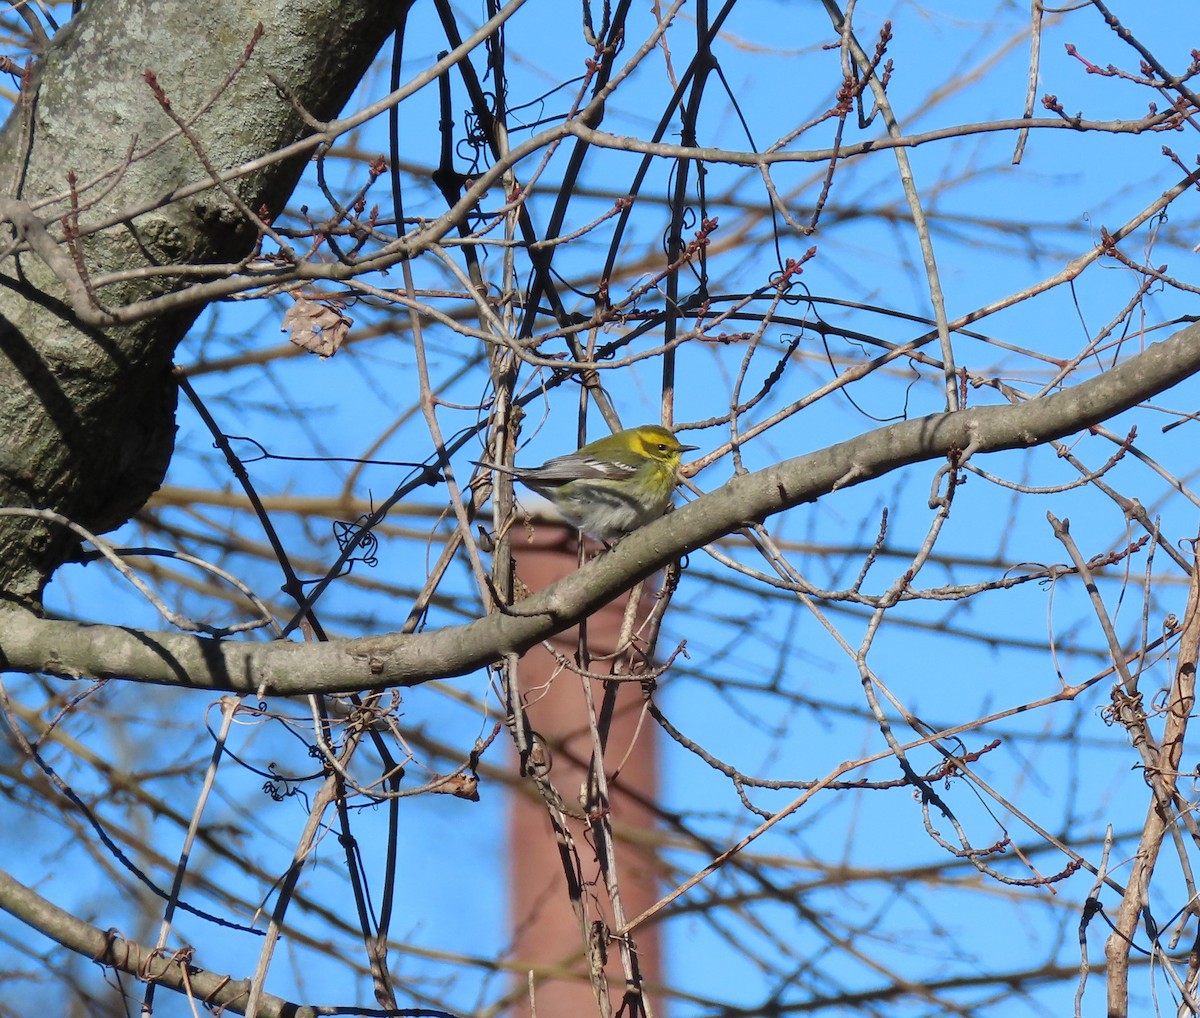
x,y
778,698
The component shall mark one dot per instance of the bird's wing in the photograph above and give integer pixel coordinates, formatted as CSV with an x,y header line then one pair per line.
x,y
564,469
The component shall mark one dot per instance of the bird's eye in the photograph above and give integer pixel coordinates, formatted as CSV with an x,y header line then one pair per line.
x,y
662,446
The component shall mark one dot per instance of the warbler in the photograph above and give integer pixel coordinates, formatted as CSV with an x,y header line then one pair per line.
x,y
612,485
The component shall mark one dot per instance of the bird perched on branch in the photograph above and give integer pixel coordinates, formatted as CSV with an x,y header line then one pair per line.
x,y
610,486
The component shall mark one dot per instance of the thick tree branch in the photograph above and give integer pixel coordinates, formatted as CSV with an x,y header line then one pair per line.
x,y
31,644
172,970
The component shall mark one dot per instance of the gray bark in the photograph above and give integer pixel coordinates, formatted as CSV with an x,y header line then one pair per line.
x,y
29,644
87,411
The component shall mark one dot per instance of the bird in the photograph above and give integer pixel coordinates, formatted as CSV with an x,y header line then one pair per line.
x,y
613,485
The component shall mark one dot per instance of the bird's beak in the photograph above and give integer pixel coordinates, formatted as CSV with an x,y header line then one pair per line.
x,y
688,448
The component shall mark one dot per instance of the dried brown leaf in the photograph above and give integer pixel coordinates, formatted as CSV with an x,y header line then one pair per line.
x,y
318,326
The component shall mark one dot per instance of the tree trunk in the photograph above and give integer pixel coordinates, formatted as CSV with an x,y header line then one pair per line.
x,y
87,410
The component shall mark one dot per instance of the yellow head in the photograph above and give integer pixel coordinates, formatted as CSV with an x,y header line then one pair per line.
x,y
656,443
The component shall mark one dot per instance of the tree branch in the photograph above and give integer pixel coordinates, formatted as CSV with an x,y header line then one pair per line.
x,y
76,650
172,970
